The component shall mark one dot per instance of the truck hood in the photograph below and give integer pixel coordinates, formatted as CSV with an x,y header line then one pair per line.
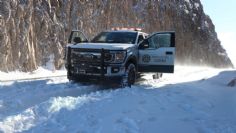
x,y
110,46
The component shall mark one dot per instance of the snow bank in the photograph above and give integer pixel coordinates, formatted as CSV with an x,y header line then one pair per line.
x,y
40,72
191,100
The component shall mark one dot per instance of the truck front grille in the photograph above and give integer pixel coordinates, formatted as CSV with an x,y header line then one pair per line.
x,y
86,57
87,61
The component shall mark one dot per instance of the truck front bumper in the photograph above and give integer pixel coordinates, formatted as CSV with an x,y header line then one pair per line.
x,y
87,64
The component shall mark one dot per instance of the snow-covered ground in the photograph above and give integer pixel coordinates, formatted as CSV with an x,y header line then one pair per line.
x,y
193,99
39,73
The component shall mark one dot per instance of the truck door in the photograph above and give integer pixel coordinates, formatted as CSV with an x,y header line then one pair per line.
x,y
77,36
157,53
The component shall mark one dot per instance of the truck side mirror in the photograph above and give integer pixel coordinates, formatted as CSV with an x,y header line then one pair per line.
x,y
144,44
77,40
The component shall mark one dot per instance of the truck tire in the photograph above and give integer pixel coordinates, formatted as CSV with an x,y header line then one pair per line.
x,y
130,75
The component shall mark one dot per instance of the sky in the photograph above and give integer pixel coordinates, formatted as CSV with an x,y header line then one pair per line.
x,y
222,13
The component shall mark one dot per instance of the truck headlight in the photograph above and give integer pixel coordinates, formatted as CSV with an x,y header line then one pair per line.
x,y
120,56
116,56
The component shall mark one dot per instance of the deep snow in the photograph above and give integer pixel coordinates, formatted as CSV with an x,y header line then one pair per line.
x,y
193,99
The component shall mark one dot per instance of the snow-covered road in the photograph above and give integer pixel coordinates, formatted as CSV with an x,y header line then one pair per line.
x,y
194,99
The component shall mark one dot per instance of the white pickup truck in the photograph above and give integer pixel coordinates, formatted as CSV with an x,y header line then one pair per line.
x,y
119,55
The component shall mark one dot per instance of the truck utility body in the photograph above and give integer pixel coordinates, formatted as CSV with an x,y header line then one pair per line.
x,y
119,55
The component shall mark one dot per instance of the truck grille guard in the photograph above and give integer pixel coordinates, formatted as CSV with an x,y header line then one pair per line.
x,y
101,62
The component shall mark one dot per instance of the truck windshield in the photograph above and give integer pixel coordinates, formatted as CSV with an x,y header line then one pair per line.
x,y
115,37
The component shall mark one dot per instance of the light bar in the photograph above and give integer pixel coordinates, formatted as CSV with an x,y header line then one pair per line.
x,y
122,28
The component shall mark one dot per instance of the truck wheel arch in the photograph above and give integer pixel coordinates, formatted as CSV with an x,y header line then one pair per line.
x,y
131,59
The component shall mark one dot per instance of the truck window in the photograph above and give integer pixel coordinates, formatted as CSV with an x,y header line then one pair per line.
x,y
140,38
75,34
160,40
115,37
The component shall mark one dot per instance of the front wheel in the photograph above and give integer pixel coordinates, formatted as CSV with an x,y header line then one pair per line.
x,y
130,75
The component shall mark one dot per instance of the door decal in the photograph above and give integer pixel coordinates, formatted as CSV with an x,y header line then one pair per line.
x,y
146,58
160,58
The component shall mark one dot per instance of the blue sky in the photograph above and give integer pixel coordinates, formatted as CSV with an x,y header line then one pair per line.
x,y
222,13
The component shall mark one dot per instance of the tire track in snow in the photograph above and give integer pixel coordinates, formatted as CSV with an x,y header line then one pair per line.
x,y
20,95
37,109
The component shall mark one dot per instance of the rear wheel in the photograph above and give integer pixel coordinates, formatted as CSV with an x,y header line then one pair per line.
x,y
130,75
